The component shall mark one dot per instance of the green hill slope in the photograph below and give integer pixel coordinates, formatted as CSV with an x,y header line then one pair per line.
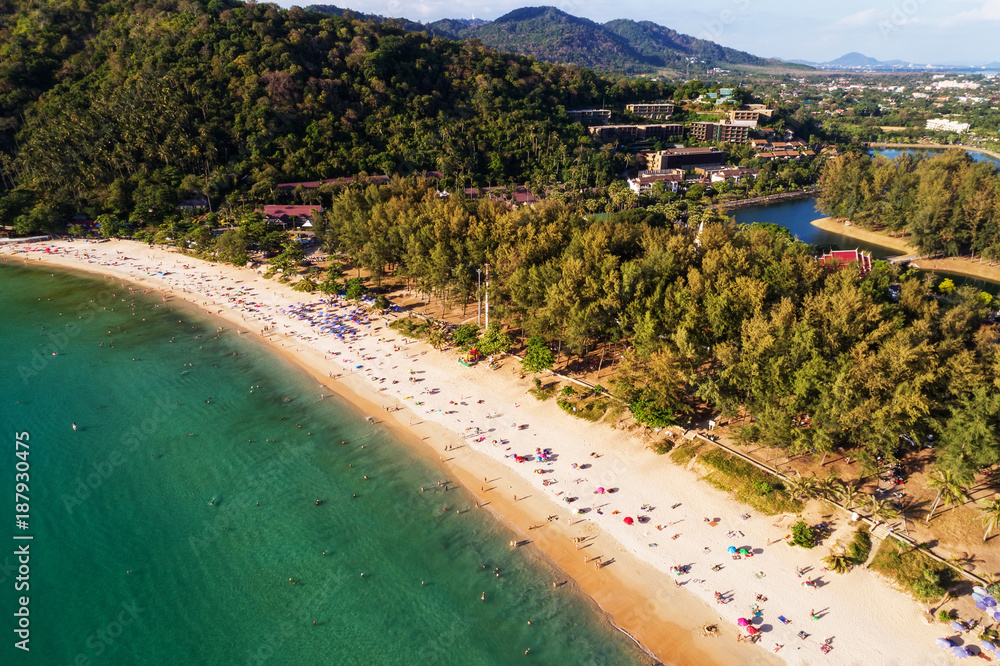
x,y
121,107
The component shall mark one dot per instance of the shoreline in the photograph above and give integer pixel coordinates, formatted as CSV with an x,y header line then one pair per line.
x,y
935,146
875,624
621,593
834,225
959,265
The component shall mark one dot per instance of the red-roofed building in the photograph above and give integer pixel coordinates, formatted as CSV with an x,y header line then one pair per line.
x,y
285,215
842,258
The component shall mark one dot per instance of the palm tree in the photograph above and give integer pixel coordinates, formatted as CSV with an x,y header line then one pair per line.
x,y
882,509
991,515
837,562
305,284
949,489
799,488
828,487
848,493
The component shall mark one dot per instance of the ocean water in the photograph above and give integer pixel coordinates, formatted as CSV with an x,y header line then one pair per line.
x,y
166,527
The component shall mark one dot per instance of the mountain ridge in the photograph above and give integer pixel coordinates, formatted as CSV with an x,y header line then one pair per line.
x,y
549,34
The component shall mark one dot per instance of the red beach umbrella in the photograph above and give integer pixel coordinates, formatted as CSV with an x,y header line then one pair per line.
x,y
751,630
628,520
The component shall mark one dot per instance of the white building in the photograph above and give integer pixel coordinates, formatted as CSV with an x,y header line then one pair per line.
x,y
944,125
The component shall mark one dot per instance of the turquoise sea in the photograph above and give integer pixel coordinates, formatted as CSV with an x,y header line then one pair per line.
x,y
133,563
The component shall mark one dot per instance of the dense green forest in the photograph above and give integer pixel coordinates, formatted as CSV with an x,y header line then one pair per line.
x,y
948,203
123,106
742,317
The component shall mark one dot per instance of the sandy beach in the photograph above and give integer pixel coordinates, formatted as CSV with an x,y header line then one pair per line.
x,y
837,226
475,420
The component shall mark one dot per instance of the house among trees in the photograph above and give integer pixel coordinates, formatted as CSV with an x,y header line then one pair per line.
x,y
285,215
841,258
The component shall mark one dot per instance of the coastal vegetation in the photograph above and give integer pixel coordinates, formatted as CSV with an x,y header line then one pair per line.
x,y
744,320
945,204
923,577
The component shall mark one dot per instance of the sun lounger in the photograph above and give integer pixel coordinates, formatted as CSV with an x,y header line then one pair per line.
x,y
784,620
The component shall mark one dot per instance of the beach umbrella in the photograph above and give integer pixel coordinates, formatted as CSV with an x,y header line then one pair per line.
x,y
744,551
960,651
990,601
981,606
743,622
751,630
977,596
731,550
943,643
996,615
628,520
957,627
979,589
989,646
601,490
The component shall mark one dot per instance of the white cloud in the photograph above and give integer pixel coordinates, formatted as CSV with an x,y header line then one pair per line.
x,y
862,19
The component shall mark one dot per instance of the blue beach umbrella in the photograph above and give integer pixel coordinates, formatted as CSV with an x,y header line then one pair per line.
x,y
988,646
990,601
957,626
943,643
960,651
731,550
977,596
981,606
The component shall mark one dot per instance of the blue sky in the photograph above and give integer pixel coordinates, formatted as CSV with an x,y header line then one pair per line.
x,y
919,31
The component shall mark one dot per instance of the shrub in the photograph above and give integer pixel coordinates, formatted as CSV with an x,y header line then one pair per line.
x,y
355,289
750,484
662,446
466,335
567,391
925,578
494,341
944,616
644,411
860,547
537,356
802,535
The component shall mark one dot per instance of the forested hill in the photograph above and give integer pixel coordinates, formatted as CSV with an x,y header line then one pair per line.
x,y
117,104
548,34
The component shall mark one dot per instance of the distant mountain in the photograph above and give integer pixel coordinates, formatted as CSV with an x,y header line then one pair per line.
x,y
854,59
859,62
657,42
551,35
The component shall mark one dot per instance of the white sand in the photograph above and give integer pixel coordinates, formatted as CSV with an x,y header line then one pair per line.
x,y
868,622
